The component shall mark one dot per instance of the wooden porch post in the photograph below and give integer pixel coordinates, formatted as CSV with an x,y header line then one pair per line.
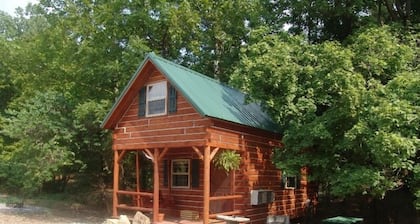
x,y
115,188
206,193
137,178
156,186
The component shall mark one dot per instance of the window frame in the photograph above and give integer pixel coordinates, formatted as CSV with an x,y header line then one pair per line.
x,y
286,182
164,97
188,173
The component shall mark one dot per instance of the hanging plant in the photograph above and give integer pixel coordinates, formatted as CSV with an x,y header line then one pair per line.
x,y
227,160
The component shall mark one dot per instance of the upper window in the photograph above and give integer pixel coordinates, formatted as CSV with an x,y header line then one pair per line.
x,y
156,99
181,173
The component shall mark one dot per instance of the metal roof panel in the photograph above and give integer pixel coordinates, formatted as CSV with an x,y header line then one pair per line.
x,y
213,98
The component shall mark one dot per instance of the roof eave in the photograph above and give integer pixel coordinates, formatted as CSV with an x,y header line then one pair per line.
x,y
273,133
106,122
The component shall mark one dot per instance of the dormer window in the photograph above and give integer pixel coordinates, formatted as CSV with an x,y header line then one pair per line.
x,y
156,99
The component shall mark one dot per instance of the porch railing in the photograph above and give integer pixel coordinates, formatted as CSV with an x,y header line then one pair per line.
x,y
225,197
139,204
137,198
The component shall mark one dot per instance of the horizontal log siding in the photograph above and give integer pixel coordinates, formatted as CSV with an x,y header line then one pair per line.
x,y
186,127
182,198
130,94
231,139
229,135
258,172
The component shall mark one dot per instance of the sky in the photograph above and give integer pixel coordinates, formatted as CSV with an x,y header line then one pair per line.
x,y
9,6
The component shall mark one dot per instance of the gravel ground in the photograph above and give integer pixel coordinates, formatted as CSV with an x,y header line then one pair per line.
x,y
40,215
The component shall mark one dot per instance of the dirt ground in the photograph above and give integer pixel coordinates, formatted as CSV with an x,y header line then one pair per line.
x,y
37,215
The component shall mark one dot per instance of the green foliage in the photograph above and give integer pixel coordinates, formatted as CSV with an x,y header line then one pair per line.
x,y
348,114
380,55
62,62
415,183
92,144
42,140
321,20
85,52
227,160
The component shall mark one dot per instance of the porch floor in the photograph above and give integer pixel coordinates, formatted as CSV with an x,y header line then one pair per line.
x,y
180,221
173,220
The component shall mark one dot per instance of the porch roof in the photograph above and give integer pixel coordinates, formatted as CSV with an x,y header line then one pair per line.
x,y
208,96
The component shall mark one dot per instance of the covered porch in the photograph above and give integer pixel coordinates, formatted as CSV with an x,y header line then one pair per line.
x,y
163,199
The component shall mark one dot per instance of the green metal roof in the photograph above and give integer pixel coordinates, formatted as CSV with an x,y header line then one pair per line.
x,y
208,96
212,98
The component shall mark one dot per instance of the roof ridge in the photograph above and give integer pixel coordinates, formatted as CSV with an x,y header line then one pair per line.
x,y
153,55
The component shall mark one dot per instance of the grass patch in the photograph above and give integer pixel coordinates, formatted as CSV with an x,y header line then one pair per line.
x,y
9,199
42,200
53,200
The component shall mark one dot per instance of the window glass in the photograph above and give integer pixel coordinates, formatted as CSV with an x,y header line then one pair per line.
x,y
156,98
181,173
291,182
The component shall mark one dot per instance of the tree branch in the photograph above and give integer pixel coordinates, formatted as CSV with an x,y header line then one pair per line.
x,y
390,10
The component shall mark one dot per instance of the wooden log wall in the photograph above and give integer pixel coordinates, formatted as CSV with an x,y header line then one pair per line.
x,y
186,127
181,198
258,172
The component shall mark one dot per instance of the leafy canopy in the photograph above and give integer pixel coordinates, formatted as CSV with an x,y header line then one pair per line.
x,y
349,114
42,135
79,54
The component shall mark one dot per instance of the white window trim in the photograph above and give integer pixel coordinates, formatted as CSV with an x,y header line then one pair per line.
x,y
186,173
286,186
156,98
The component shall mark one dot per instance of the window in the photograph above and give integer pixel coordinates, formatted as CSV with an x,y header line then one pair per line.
x,y
181,173
290,182
156,99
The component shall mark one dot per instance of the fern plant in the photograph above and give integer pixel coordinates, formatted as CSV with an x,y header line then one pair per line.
x,y
227,160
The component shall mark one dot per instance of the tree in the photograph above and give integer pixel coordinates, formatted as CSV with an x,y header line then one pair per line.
x,y
203,35
323,20
93,152
7,89
42,144
86,51
43,55
223,28
344,112
403,11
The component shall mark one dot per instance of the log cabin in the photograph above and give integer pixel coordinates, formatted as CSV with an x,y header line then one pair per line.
x,y
180,121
